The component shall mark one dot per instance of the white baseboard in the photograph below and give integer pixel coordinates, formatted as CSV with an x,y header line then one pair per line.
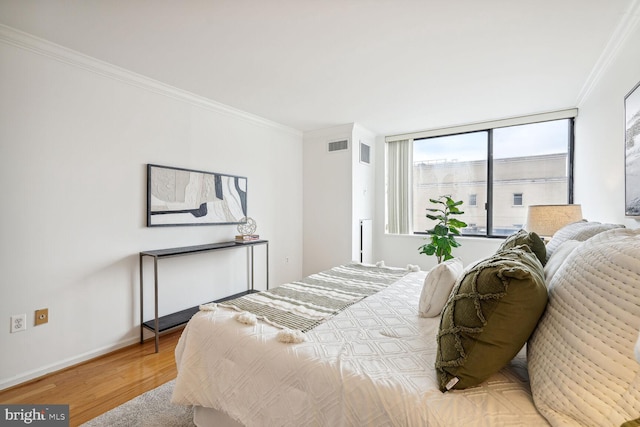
x,y
36,373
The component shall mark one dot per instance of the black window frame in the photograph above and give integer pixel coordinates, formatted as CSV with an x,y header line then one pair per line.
x,y
490,164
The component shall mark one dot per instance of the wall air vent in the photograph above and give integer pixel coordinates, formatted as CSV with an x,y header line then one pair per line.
x,y
338,145
365,153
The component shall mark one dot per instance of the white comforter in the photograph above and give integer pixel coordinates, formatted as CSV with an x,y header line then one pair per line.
x,y
373,364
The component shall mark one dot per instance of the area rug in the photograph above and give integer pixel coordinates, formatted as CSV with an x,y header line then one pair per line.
x,y
151,409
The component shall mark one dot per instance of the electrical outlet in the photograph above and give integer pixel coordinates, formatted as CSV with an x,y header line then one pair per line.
x,y
18,323
42,316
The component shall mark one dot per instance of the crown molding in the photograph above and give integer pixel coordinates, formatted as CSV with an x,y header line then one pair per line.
x,y
28,42
627,24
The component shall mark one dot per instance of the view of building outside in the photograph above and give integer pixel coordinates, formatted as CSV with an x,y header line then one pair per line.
x,y
530,167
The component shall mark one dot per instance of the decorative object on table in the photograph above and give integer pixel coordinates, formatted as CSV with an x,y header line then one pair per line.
x,y
444,232
247,237
247,230
632,152
247,225
545,220
177,196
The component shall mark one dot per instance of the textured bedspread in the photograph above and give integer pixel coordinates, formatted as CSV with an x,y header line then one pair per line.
x,y
372,364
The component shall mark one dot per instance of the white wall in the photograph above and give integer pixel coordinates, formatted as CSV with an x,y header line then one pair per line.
x,y
338,192
327,200
599,162
364,189
600,127
75,137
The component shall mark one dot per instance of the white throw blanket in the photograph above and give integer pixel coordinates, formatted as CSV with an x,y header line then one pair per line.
x,y
305,304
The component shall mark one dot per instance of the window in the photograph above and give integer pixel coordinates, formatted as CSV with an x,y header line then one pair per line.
x,y
517,199
497,172
455,165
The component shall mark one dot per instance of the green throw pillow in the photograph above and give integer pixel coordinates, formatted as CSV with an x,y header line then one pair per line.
x,y
489,316
531,239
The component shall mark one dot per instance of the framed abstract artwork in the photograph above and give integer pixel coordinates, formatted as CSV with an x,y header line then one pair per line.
x,y
177,196
632,152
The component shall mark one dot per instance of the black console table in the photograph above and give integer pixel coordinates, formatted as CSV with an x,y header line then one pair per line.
x,y
161,324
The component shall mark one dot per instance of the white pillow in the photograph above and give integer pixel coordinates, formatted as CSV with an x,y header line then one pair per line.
x,y
437,287
581,230
558,258
581,356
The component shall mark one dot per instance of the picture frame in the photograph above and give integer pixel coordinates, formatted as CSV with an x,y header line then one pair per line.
x,y
187,197
632,152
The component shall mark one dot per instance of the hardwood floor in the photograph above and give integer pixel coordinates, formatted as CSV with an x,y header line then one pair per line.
x,y
96,386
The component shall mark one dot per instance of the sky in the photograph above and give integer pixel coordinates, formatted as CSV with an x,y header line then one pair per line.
x,y
514,141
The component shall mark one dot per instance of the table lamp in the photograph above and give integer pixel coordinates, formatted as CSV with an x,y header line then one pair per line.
x,y
545,220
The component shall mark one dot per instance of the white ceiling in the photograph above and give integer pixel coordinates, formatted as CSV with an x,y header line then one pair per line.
x,y
392,66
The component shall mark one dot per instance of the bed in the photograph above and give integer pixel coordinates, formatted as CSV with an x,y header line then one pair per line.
x,y
372,363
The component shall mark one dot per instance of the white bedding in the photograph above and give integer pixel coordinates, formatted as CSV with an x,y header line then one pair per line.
x,y
372,364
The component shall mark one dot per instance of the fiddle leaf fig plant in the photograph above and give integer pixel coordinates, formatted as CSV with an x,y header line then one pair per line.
x,y
442,239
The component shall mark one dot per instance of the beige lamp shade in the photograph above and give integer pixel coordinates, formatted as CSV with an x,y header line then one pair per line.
x,y
545,220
